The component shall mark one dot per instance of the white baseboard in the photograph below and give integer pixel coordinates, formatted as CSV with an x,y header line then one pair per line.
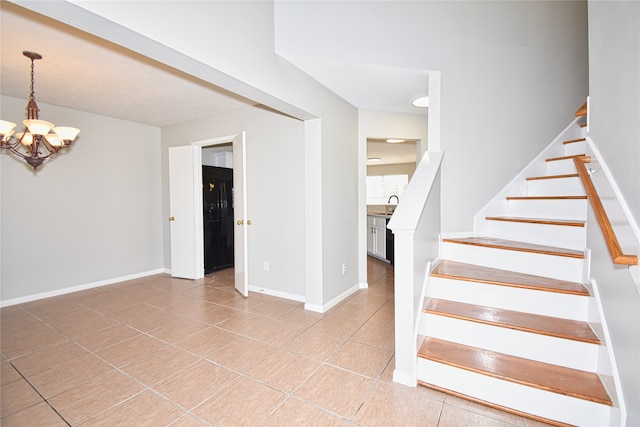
x,y
63,291
274,293
405,379
326,307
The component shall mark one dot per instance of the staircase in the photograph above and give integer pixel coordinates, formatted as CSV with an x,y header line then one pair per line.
x,y
508,319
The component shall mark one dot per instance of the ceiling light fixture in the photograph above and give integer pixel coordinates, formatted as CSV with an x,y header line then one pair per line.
x,y
36,134
374,159
395,141
421,102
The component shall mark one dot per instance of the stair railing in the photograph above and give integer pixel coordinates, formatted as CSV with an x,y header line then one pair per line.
x,y
416,227
615,250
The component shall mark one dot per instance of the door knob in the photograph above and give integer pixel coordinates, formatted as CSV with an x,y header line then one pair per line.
x,y
240,222
172,218
248,222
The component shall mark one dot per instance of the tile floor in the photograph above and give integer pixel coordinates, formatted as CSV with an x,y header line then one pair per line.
x,y
160,351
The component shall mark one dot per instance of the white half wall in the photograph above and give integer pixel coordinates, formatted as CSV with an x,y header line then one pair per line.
x,y
614,109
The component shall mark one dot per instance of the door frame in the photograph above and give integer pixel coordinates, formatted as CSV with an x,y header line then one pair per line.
x,y
199,203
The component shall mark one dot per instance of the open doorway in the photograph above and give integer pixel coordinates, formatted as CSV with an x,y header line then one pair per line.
x,y
186,207
390,164
217,212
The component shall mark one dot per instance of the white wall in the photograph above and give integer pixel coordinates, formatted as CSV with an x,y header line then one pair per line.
x,y
230,44
513,73
275,161
90,215
614,110
614,91
395,169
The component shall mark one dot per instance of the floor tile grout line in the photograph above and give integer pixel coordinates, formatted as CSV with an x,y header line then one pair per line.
x,y
344,340
41,396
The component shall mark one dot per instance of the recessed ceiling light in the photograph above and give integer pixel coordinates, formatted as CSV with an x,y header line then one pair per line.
x,y
394,141
374,159
421,102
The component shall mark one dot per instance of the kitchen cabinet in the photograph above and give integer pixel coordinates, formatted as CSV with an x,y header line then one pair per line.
x,y
377,236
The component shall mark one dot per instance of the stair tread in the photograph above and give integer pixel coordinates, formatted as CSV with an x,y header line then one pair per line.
x,y
557,379
479,274
564,222
568,175
493,242
534,323
553,159
580,197
582,111
571,141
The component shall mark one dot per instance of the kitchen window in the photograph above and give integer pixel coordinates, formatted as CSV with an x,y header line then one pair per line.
x,y
381,187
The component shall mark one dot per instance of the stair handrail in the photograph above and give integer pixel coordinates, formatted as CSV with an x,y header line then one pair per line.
x,y
617,256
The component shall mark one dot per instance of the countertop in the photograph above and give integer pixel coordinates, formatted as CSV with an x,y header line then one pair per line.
x,y
379,215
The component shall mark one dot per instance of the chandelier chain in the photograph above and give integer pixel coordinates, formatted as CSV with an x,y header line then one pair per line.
x,y
32,95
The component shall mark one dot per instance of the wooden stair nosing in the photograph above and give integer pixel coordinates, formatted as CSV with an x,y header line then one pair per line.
x,y
447,269
495,405
555,159
534,323
571,141
583,125
544,376
582,111
561,222
510,245
569,175
546,197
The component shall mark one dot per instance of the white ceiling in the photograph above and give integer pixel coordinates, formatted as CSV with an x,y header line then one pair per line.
x,y
87,73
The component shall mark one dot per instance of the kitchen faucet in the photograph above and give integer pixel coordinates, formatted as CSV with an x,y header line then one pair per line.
x,y
391,197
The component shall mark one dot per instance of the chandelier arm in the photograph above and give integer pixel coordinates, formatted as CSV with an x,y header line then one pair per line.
x,y
50,148
11,145
32,151
13,149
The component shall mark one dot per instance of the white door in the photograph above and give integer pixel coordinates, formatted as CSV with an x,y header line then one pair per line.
x,y
182,209
185,195
240,214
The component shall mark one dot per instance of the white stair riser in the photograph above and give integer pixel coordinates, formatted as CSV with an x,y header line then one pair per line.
x,y
575,148
543,348
570,186
530,400
558,267
554,304
573,209
561,167
540,234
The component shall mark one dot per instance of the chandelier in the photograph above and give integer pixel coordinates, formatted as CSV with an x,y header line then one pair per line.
x,y
38,134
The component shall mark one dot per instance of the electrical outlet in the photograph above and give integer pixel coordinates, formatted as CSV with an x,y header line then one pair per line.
x,y
266,266
344,268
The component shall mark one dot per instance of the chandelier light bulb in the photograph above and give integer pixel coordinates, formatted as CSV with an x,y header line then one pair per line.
x,y
25,137
6,127
38,127
66,133
54,140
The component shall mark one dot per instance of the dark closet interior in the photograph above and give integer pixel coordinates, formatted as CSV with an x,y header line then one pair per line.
x,y
217,197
